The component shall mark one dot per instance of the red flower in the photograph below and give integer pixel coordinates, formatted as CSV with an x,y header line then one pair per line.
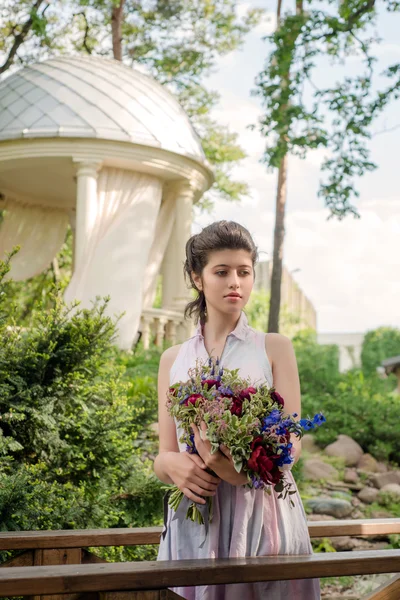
x,y
277,398
173,391
245,394
236,406
192,399
262,463
211,383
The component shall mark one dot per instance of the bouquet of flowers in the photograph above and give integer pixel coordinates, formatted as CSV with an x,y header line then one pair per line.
x,y
249,421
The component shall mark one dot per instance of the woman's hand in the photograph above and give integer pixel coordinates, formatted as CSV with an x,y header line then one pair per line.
x,y
188,472
220,462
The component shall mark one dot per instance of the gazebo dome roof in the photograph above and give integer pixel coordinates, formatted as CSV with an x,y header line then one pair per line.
x,y
92,97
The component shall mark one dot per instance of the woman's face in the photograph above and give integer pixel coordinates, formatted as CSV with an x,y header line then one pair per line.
x,y
227,272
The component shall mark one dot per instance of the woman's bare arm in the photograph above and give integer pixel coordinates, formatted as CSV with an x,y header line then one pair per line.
x,y
286,377
167,431
186,471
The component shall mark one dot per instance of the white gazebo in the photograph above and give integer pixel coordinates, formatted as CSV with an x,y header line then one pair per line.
x,y
92,143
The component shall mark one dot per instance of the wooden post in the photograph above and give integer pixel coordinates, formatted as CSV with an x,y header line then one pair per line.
x,y
59,556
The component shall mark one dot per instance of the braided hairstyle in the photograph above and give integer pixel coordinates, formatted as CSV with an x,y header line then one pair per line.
x,y
220,235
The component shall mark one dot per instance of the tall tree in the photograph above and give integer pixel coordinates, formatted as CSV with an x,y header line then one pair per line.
x,y
338,118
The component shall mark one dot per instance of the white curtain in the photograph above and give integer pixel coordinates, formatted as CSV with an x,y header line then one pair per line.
x,y
39,231
165,221
117,247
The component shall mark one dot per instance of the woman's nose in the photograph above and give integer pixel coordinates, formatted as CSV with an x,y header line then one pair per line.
x,y
234,282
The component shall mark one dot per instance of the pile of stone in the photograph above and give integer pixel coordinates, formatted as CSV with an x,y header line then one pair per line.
x,y
365,481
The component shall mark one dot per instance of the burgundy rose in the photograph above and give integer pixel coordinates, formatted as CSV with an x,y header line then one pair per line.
x,y
262,463
173,391
245,394
236,406
211,383
192,399
277,398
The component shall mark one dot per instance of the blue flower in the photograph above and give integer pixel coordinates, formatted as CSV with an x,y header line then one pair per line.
x,y
319,419
273,418
306,424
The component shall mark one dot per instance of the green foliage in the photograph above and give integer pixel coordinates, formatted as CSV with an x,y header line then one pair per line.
x,y
318,364
361,409
324,545
257,312
338,117
378,345
74,427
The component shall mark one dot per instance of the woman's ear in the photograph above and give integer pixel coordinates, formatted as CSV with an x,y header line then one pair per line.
x,y
197,281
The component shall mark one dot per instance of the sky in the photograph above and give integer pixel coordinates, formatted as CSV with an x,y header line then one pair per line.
x,y
349,269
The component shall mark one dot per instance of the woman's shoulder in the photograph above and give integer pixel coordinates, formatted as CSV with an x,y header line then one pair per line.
x,y
169,355
277,346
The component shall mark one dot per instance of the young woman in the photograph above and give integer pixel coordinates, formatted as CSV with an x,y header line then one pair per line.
x,y
246,522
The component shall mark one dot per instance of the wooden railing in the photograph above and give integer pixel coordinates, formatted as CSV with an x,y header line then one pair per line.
x,y
57,563
159,325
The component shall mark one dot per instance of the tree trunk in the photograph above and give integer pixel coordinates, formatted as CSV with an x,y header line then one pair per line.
x,y
279,236
116,28
279,232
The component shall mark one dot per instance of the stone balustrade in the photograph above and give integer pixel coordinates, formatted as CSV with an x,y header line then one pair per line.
x,y
159,325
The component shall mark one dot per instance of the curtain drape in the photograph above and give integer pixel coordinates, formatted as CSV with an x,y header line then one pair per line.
x,y
165,221
38,230
117,247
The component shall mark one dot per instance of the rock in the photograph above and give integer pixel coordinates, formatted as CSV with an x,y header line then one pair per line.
x,y
368,495
345,447
330,506
350,476
368,463
344,487
345,542
308,443
356,501
315,469
391,488
319,517
382,467
381,479
341,494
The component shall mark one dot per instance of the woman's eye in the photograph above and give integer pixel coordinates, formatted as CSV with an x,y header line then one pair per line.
x,y
219,272
246,272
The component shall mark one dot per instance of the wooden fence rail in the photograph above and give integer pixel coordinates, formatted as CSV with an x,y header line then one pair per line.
x,y
78,538
57,563
153,575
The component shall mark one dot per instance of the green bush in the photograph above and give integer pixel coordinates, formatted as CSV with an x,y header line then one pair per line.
x,y
73,424
378,345
358,408
318,364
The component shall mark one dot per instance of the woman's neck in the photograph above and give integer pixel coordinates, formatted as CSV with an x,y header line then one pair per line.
x,y
218,327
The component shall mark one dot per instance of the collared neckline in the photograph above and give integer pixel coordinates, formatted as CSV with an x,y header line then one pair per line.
x,y
239,331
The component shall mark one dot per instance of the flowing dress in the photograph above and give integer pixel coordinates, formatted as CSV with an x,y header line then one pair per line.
x,y
246,522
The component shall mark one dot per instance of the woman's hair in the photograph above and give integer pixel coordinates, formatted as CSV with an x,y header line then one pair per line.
x,y
221,235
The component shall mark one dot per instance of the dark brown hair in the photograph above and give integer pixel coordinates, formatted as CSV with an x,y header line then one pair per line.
x,y
221,235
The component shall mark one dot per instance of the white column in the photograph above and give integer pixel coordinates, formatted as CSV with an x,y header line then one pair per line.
x,y
175,291
86,206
